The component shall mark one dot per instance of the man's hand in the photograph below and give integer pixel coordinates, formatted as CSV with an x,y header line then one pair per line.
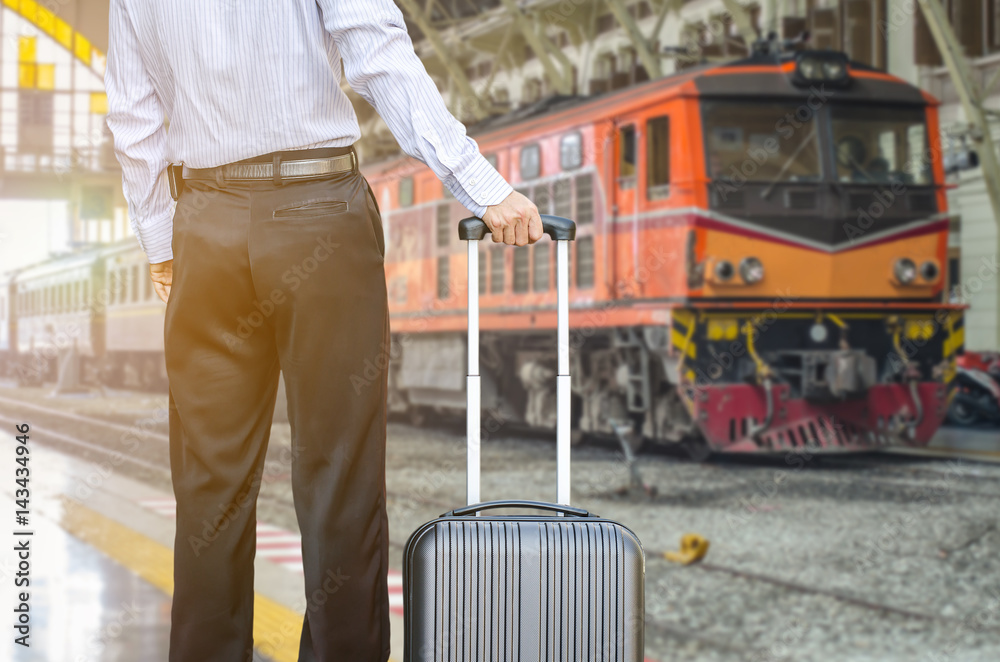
x,y
514,221
162,275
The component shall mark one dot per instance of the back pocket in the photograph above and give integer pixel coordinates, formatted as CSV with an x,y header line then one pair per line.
x,y
311,209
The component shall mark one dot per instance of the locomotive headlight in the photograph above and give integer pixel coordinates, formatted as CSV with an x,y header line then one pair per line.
x,y
724,271
811,68
751,270
833,69
821,67
930,271
905,271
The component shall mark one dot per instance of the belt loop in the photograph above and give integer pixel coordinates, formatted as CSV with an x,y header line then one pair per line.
x,y
276,161
354,159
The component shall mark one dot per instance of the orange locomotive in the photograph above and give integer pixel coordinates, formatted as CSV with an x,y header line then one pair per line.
x,y
759,260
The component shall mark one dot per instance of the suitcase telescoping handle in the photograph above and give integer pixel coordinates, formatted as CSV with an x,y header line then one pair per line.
x,y
562,231
515,503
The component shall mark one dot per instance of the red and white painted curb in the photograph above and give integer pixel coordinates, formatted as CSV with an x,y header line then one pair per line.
x,y
283,548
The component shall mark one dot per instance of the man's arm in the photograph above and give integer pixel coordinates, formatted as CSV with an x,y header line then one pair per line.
x,y
382,67
136,118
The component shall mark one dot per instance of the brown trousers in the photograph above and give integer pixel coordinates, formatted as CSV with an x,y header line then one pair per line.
x,y
265,277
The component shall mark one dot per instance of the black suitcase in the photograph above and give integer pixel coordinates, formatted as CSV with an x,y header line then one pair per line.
x,y
560,584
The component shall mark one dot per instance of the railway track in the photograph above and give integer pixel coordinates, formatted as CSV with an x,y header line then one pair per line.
x,y
151,463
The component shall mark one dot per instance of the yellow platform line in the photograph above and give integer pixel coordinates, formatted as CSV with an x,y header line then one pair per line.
x,y
276,629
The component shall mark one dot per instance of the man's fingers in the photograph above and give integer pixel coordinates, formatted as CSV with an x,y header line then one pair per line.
x,y
508,234
162,291
521,230
535,227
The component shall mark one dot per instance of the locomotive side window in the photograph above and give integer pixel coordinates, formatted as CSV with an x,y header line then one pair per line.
x,y
571,151
584,199
770,142
626,156
585,262
540,258
443,225
442,277
520,271
406,192
658,158
562,195
531,161
496,270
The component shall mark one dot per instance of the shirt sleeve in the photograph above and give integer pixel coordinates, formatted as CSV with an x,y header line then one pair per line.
x,y
136,120
381,65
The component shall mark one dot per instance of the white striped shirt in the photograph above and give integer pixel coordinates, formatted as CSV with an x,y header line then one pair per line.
x,y
241,78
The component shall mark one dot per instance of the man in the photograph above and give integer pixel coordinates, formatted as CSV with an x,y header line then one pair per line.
x,y
273,260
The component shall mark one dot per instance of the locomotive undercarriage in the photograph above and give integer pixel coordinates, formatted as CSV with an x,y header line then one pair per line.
x,y
620,381
818,379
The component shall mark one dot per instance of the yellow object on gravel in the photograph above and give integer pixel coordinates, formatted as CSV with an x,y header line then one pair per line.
x,y
693,549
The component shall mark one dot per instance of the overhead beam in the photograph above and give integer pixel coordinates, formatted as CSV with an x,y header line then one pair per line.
x,y
556,52
556,77
649,60
744,25
446,57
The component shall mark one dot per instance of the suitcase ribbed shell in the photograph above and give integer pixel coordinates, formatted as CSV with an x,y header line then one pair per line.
x,y
523,589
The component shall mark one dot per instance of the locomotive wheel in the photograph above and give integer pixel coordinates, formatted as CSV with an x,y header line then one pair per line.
x,y
962,413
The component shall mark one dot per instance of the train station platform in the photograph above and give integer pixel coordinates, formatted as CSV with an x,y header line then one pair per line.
x,y
101,570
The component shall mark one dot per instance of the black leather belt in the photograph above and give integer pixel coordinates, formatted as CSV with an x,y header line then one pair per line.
x,y
278,167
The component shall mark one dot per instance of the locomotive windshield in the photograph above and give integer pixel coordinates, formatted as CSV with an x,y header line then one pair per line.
x,y
881,145
776,142
762,141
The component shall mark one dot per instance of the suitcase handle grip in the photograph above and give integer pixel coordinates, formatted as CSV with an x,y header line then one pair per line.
x,y
557,227
536,505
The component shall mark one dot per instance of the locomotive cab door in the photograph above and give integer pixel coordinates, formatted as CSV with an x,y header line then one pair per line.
x,y
626,170
624,206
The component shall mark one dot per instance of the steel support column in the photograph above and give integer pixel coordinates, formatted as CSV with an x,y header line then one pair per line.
x,y
970,95
649,59
559,79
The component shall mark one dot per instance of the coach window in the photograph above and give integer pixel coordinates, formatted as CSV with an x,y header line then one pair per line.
x,y
626,156
406,192
571,151
531,162
658,158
